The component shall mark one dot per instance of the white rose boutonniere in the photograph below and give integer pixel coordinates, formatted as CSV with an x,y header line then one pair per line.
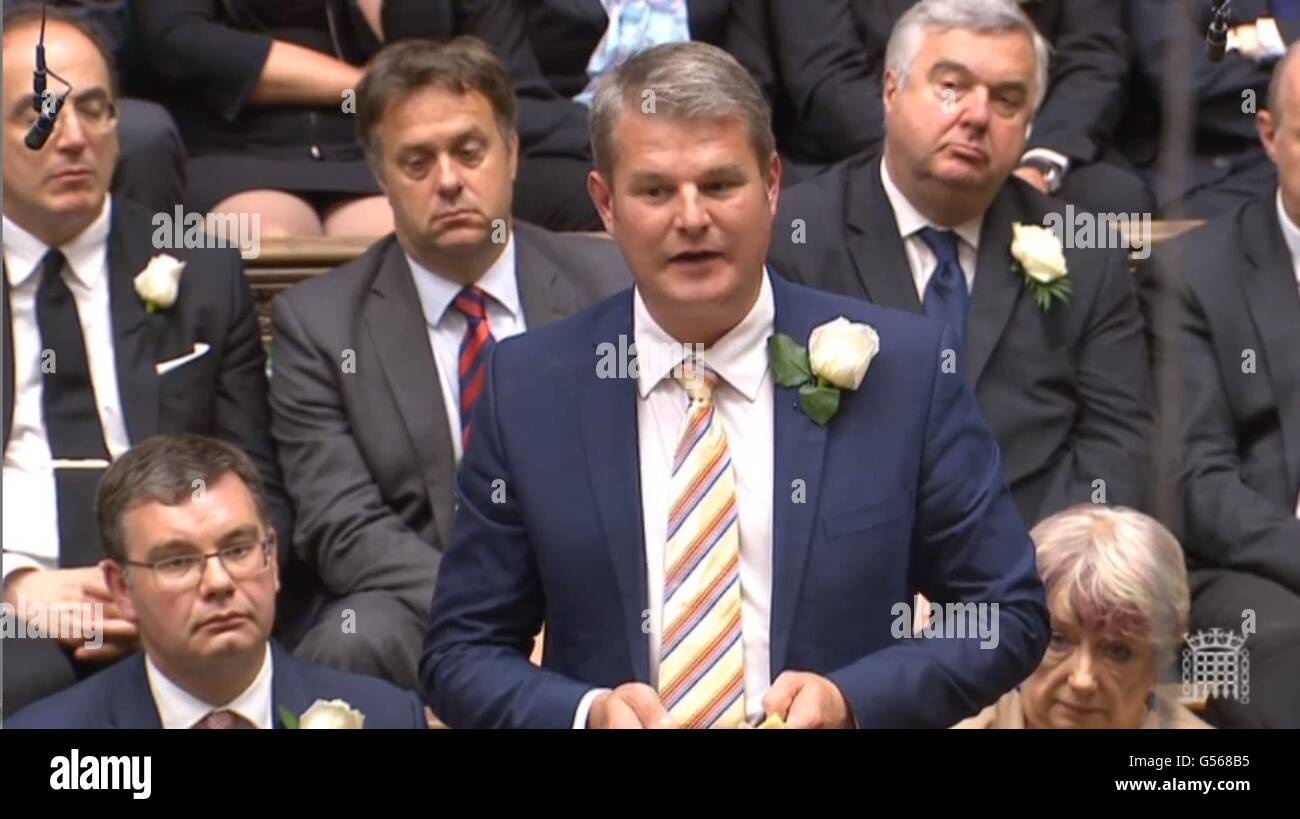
x,y
324,714
1040,258
159,282
838,355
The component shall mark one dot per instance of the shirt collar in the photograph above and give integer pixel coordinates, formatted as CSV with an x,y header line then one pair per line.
x,y
910,220
1290,233
437,292
179,708
739,357
87,254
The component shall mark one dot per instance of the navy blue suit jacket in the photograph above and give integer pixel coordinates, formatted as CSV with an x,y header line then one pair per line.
x,y
119,697
904,492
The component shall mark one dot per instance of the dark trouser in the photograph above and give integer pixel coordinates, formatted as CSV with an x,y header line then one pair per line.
x,y
35,669
151,169
551,191
371,633
1272,654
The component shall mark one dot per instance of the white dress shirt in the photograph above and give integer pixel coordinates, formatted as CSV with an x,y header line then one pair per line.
x,y
179,708
744,402
1291,233
920,259
446,325
31,521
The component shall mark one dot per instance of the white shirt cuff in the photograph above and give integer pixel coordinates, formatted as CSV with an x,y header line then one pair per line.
x,y
1060,160
584,706
15,562
1271,44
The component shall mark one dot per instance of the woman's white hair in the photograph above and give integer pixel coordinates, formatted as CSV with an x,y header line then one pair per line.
x,y
985,16
1121,572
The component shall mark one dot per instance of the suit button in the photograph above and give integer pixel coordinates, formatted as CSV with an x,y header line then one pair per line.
x,y
1222,163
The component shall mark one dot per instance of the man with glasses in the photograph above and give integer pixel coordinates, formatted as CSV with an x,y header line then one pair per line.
x,y
93,360
192,563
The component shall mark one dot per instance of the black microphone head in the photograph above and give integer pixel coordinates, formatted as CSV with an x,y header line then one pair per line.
x,y
40,133
1216,42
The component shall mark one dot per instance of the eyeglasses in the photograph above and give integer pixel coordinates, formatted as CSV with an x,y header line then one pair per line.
x,y
241,561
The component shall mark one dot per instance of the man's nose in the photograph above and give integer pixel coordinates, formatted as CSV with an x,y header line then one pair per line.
x,y
449,178
975,109
692,214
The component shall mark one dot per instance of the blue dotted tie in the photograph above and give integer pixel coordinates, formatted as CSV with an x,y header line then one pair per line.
x,y
946,296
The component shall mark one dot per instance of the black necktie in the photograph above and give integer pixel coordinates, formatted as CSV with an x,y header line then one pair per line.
x,y
71,418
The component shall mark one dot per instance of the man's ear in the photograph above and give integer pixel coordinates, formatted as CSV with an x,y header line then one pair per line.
x,y
118,585
889,90
774,169
1267,127
602,196
512,148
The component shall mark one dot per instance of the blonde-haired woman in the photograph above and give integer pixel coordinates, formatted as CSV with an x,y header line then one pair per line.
x,y
1117,589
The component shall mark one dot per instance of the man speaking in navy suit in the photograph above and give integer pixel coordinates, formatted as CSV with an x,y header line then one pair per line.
x,y
722,534
192,564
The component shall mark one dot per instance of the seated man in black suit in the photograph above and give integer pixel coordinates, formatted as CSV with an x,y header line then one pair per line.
x,y
100,354
378,363
1223,304
831,59
936,226
192,562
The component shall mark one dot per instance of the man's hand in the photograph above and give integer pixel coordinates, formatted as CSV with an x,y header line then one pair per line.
x,y
61,593
1033,176
806,700
631,705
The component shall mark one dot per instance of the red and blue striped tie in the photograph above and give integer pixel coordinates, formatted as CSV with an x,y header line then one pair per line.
x,y
474,350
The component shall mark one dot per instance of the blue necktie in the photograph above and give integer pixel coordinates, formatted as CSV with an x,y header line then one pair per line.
x,y
946,297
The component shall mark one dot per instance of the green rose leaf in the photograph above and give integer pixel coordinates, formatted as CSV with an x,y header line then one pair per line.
x,y
819,402
289,718
790,366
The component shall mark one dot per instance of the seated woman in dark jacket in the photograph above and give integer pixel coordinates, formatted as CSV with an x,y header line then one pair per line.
x,y
262,90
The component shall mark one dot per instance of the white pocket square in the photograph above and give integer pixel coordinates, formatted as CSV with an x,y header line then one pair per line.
x,y
165,367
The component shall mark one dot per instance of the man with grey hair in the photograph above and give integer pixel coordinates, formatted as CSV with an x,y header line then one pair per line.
x,y
696,526
1047,325
1224,309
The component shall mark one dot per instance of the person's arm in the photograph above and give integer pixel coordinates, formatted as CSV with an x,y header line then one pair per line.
x,y
831,78
189,47
489,603
970,547
240,413
1085,96
1229,524
345,530
1112,433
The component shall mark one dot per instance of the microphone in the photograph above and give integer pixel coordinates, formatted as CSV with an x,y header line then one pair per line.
x,y
40,131
1216,38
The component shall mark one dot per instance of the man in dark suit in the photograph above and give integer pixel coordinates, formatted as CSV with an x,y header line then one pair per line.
x,y
378,363
1218,163
831,58
192,562
929,228
1223,304
98,353
704,536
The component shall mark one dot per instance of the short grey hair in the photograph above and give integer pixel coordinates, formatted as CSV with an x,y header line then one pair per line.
x,y
1120,572
983,16
689,80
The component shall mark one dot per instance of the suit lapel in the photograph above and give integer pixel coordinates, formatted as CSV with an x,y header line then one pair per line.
x,y
397,327
288,689
800,450
133,328
131,702
874,244
545,293
996,289
1274,305
608,411
8,340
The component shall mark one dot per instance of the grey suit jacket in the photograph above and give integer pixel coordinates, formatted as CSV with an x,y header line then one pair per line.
x,y
1066,391
367,454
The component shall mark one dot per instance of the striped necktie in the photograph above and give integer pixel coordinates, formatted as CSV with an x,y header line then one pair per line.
x,y
475,348
701,659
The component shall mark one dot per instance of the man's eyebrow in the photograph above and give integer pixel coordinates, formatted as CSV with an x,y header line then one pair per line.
x,y
175,544
949,65
244,532
94,93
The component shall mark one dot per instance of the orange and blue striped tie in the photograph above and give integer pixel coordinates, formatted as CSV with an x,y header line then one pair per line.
x,y
474,350
701,657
